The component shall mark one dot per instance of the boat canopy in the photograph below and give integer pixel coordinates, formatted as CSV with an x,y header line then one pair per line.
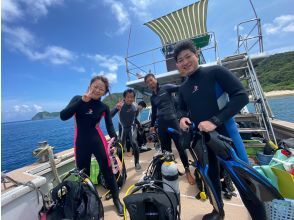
x,y
186,23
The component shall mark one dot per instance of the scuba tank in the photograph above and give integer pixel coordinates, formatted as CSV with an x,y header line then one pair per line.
x,y
170,173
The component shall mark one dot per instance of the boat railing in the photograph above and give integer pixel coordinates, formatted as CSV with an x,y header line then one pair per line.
x,y
249,34
160,59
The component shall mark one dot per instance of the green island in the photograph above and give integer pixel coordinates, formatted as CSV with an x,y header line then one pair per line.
x,y
45,115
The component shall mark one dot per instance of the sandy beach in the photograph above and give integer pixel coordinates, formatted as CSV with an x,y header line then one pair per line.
x,y
279,93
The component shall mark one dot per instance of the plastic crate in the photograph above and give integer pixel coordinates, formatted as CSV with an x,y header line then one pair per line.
x,y
280,210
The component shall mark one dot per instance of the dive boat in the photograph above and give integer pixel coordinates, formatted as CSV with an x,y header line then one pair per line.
x,y
19,198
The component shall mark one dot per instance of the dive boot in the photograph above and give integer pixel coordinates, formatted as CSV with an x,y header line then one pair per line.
x,y
214,215
118,206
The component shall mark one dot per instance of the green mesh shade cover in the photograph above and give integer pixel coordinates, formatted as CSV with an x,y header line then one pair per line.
x,y
184,23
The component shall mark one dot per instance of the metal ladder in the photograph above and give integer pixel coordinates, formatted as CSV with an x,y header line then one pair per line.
x,y
243,67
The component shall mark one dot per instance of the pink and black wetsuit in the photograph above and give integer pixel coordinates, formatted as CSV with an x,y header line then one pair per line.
x,y
88,137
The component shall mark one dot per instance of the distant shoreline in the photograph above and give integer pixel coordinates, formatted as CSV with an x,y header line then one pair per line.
x,y
279,93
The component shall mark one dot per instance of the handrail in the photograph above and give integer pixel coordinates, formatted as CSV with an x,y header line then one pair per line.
x,y
243,40
131,66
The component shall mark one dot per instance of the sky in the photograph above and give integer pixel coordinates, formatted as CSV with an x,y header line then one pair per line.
x,y
50,49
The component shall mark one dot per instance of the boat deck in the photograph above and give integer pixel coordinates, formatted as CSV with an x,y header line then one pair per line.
x,y
192,209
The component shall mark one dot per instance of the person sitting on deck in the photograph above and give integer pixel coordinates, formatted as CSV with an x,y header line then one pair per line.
x,y
203,100
163,110
128,112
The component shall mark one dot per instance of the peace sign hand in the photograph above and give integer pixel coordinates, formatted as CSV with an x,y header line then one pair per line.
x,y
87,96
119,104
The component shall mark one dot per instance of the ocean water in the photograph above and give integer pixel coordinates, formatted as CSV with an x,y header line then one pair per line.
x,y
19,139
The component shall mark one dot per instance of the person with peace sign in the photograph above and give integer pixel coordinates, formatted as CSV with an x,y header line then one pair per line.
x,y
88,110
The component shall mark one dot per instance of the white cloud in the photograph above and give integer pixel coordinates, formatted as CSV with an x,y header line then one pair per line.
x,y
38,108
121,14
10,10
26,108
283,23
22,108
57,55
142,4
289,28
39,8
112,77
13,10
22,40
141,8
111,63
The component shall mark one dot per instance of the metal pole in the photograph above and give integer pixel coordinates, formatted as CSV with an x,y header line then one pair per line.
x,y
253,8
126,59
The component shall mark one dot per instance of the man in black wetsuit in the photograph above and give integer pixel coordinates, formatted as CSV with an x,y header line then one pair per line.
x,y
209,97
163,110
128,113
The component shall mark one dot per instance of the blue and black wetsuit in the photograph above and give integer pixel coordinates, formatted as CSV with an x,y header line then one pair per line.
x,y
214,94
164,112
88,137
127,119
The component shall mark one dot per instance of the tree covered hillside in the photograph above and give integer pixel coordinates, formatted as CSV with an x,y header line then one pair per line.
x,y
277,72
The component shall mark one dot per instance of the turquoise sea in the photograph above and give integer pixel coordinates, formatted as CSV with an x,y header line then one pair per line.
x,y
19,139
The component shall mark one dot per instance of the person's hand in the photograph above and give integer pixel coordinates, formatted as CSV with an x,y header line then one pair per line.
x,y
87,96
184,123
206,126
152,130
119,104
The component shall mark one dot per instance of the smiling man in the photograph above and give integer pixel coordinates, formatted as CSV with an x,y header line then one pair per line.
x,y
209,98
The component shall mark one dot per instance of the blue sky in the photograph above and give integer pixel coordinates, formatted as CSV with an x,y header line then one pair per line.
x,y
50,49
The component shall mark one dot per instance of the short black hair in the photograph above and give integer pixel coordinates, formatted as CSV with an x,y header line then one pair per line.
x,y
184,45
128,91
149,75
143,104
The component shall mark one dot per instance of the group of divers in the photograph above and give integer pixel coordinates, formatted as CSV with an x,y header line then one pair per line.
x,y
208,98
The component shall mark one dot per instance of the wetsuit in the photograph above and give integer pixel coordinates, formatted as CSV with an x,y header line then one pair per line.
x,y
164,112
214,94
127,119
88,136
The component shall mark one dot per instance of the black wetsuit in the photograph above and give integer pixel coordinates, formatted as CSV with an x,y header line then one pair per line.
x,y
127,119
163,110
88,139
204,96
